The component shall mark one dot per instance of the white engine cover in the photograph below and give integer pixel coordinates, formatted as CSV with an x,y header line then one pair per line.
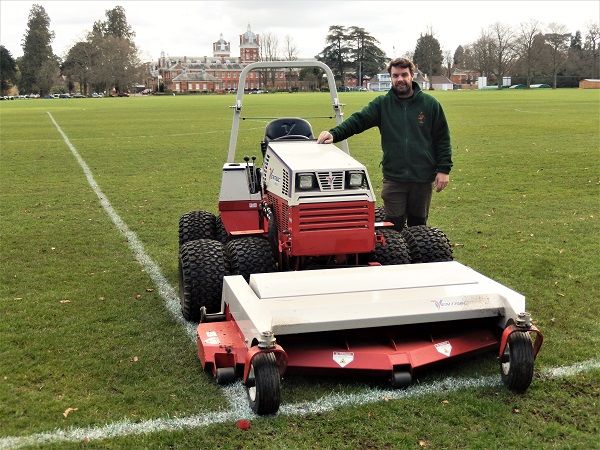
x,y
284,159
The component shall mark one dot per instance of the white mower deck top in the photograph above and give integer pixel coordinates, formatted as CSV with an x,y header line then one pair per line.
x,y
365,297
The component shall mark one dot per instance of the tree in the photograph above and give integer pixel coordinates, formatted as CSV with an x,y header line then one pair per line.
x,y
459,57
268,50
337,52
428,55
367,58
592,49
525,44
448,62
37,52
504,50
558,40
290,54
111,53
8,70
481,54
78,64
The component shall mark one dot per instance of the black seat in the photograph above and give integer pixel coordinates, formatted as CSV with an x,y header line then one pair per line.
x,y
288,126
293,128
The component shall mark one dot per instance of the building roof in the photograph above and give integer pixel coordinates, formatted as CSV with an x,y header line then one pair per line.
x,y
200,75
439,79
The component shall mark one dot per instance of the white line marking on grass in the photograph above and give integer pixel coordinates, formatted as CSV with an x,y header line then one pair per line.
x,y
165,290
324,404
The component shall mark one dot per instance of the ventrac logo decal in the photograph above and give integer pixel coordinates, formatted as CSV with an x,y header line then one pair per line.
x,y
459,302
274,178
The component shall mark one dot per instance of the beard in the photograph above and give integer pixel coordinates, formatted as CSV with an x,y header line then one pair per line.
x,y
403,89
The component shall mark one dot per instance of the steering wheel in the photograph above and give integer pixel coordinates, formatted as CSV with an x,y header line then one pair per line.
x,y
300,137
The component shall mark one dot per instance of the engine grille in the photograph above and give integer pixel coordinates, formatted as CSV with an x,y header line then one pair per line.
x,y
331,181
285,187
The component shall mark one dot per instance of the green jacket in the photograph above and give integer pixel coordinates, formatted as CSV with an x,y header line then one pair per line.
x,y
414,135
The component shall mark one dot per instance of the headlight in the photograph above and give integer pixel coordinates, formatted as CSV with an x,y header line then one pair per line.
x,y
355,179
306,181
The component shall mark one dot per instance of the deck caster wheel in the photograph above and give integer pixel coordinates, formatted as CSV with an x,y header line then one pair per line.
x,y
516,363
225,375
401,379
264,385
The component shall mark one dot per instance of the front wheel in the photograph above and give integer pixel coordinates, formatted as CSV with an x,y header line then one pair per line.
x,y
264,384
516,363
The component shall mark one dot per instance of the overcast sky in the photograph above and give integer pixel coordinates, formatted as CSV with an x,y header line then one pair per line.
x,y
189,27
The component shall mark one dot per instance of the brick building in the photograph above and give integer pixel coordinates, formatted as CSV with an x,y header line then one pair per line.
x,y
217,73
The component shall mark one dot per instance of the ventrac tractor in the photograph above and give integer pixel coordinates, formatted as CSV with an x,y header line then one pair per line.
x,y
300,271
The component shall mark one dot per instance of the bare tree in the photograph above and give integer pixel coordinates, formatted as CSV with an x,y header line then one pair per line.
x,y
558,40
526,44
290,54
592,45
481,53
448,62
268,51
504,51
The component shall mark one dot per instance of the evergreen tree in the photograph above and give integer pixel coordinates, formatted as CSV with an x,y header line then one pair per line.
x,y
428,55
37,53
337,52
368,59
459,57
8,70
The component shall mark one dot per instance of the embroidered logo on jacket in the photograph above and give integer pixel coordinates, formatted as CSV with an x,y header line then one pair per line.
x,y
421,118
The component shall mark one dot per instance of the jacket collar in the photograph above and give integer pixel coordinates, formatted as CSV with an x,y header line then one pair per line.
x,y
416,91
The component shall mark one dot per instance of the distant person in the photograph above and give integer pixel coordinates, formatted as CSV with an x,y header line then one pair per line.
x,y
415,140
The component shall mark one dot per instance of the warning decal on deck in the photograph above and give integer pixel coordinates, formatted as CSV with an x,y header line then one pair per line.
x,y
444,348
212,338
343,358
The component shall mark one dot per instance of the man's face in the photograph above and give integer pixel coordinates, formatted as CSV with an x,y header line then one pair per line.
x,y
401,81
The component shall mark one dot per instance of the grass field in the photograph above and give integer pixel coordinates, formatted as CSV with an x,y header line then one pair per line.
x,y
86,340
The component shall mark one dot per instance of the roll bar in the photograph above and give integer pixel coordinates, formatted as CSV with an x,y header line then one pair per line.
x,y
237,108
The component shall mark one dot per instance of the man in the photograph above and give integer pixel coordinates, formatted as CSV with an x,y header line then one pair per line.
x,y
415,140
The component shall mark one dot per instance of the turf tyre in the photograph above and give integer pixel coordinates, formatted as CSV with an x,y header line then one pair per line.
x,y
264,384
201,270
392,251
196,225
427,244
220,231
380,214
516,364
250,255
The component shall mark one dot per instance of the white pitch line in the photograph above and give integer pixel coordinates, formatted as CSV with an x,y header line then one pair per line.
x,y
324,404
165,290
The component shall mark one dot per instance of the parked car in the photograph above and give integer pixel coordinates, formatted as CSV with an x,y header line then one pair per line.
x,y
78,95
540,86
123,94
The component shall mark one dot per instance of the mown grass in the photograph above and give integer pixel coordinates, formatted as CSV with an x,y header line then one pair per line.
x,y
83,327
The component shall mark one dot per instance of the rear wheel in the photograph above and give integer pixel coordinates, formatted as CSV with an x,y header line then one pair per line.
x,y
427,244
220,231
250,255
516,363
264,384
196,225
392,251
380,214
201,271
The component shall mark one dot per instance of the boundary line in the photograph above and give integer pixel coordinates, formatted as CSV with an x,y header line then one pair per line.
x,y
235,393
324,404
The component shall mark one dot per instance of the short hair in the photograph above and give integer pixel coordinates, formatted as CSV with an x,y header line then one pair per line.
x,y
403,63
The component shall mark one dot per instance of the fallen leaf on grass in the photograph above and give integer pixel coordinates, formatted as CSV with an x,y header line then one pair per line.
x,y
516,410
137,296
423,443
149,290
445,402
561,294
65,301
69,411
135,359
